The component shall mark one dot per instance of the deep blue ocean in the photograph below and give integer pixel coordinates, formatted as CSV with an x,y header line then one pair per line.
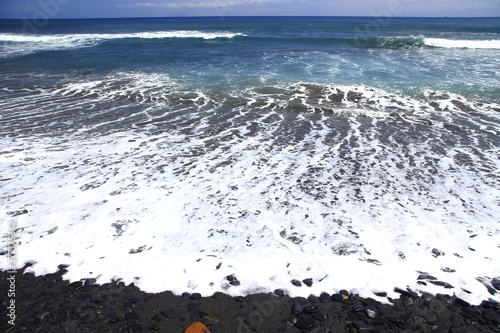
x,y
277,148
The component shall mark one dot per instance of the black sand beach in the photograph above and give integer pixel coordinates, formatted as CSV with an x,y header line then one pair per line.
x,y
50,304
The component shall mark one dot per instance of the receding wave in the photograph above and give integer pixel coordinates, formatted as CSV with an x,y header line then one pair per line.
x,y
410,42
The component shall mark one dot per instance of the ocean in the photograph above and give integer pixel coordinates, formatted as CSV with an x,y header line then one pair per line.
x,y
184,154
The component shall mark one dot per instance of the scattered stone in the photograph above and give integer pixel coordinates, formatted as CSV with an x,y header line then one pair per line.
x,y
290,320
407,292
426,277
324,298
18,212
437,253
279,292
337,298
372,302
380,293
308,282
495,282
76,284
297,309
310,308
446,285
408,302
357,308
305,322
195,296
345,293
319,316
233,280
191,306
296,283
371,311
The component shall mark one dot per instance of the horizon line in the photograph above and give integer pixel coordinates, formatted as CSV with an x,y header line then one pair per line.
x,y
241,16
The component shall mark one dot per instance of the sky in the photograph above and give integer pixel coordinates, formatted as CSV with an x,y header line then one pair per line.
x,y
42,9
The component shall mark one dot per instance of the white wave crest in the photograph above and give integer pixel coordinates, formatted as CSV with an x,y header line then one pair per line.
x,y
15,44
462,44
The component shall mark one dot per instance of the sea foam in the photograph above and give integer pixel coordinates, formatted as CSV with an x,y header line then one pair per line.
x,y
352,186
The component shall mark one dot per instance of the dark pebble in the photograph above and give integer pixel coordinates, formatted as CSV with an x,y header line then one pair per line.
x,y
297,309
337,298
290,320
407,292
344,292
233,280
380,293
296,283
324,297
191,306
372,302
90,282
496,283
308,282
371,311
76,284
279,292
310,308
195,296
319,316
446,285
408,302
357,308
305,322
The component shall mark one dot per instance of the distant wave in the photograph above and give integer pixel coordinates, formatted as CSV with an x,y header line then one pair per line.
x,y
95,37
15,44
411,42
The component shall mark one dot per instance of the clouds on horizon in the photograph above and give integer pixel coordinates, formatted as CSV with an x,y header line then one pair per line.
x,y
163,8
211,4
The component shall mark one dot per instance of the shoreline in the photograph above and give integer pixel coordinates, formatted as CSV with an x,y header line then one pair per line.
x,y
48,303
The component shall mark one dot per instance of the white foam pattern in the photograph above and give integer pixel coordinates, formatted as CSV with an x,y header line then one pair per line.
x,y
352,186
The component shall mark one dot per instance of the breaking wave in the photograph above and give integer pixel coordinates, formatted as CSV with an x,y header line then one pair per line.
x,y
410,42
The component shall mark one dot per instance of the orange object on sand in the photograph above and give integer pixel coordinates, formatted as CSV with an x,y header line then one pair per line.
x,y
197,328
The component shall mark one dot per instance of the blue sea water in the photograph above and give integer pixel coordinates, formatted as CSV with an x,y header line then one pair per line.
x,y
281,147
